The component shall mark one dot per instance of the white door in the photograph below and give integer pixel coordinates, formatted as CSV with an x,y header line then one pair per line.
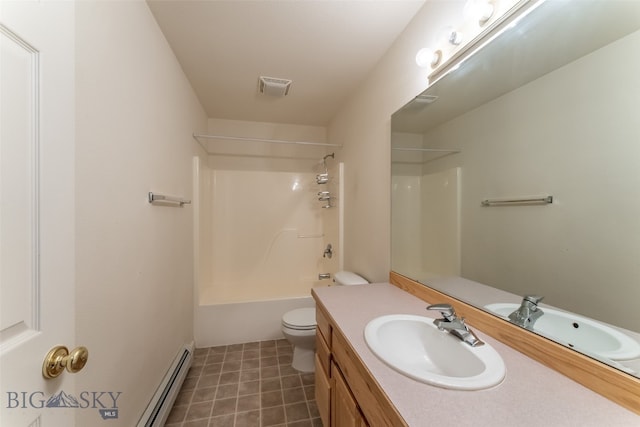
x,y
36,209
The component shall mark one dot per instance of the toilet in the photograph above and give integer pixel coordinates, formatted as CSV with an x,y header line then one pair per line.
x,y
299,326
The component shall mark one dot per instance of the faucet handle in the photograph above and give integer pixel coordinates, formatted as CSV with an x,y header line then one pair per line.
x,y
447,310
534,299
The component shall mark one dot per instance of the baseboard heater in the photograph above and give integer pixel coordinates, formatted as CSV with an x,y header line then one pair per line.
x,y
160,405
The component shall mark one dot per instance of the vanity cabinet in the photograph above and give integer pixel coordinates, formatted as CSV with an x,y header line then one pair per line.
x,y
354,387
346,394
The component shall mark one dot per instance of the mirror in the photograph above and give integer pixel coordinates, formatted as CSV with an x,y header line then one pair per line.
x,y
543,125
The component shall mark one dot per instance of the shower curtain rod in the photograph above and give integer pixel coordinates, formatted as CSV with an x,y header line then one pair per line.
x,y
271,141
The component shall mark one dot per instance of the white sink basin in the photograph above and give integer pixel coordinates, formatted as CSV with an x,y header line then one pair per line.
x,y
413,346
578,332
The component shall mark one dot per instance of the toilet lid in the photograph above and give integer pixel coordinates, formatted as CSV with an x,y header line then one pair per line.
x,y
300,318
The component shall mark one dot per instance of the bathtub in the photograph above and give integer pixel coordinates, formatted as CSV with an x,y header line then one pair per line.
x,y
235,323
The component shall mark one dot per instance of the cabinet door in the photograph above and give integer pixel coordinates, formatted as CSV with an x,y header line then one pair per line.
x,y
344,409
323,393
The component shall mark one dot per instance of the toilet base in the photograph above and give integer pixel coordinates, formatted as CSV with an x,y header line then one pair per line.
x,y
303,360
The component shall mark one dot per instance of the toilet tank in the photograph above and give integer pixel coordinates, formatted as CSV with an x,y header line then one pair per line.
x,y
346,278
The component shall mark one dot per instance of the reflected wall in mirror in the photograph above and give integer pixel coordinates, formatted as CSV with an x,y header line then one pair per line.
x,y
550,107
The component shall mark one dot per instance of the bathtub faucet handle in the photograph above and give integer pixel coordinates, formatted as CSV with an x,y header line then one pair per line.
x,y
328,252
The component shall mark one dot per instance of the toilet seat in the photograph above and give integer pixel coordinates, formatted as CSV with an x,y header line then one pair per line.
x,y
301,319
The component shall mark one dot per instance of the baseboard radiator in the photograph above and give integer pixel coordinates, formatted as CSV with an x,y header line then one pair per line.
x,y
160,405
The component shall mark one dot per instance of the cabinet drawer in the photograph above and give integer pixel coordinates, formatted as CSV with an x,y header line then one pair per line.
x,y
323,326
323,393
323,353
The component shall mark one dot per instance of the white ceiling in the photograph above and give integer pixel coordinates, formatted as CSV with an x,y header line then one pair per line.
x,y
327,47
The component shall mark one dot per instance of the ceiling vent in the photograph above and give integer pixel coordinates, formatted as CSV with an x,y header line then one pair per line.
x,y
420,102
425,99
273,87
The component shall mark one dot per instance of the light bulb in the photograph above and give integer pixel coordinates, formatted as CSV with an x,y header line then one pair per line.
x,y
478,10
428,57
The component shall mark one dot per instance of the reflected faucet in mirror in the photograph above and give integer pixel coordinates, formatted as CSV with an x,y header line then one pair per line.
x,y
528,312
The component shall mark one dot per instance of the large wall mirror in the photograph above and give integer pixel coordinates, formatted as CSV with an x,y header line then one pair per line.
x,y
519,172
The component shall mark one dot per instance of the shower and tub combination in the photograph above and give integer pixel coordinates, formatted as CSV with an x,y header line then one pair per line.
x,y
262,240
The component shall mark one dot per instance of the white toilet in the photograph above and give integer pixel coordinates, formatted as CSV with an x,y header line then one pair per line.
x,y
299,326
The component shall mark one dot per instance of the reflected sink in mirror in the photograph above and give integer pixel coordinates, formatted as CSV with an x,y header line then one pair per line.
x,y
581,333
413,346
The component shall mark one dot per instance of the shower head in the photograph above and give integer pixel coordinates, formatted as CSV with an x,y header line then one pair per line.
x,y
323,178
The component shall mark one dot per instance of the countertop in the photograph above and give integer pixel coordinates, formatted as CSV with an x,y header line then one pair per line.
x,y
530,395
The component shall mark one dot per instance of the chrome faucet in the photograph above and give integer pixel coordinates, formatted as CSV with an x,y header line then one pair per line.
x,y
454,325
528,312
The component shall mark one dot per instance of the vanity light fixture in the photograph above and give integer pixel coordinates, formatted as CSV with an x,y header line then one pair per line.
x,y
449,35
428,57
455,37
479,10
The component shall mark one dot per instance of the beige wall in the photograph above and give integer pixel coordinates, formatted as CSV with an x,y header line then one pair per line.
x,y
135,115
363,126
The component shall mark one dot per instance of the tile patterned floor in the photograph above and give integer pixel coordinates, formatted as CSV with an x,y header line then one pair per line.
x,y
245,385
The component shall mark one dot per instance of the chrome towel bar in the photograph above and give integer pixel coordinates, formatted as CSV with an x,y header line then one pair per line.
x,y
153,197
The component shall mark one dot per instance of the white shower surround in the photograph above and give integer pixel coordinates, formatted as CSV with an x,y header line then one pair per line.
x,y
266,236
245,284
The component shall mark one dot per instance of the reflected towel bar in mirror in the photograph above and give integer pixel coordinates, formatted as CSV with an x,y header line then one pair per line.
x,y
426,150
197,137
543,200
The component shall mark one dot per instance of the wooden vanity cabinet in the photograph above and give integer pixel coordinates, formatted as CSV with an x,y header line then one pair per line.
x,y
346,395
